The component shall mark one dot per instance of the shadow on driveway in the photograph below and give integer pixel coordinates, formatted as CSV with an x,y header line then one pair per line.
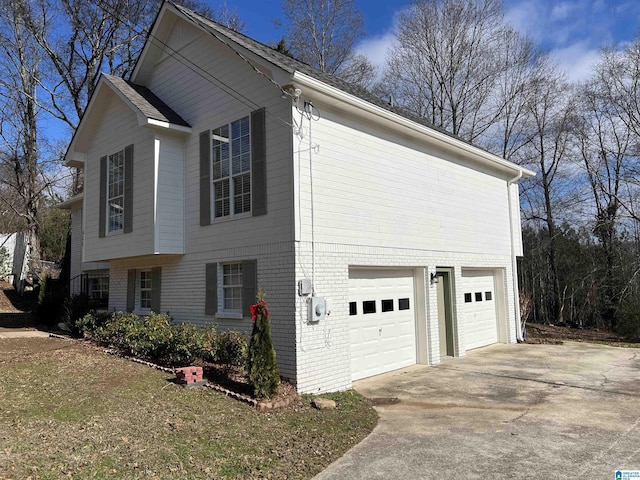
x,y
504,412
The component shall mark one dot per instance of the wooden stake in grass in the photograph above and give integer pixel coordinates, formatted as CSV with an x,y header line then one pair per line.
x,y
263,371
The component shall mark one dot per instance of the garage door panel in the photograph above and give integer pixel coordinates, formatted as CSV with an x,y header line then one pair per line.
x,y
384,340
479,309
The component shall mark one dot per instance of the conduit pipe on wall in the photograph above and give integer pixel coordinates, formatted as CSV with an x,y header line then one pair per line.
x,y
514,262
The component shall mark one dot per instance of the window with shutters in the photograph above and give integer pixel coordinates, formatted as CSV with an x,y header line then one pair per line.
x,y
115,192
232,287
145,289
231,169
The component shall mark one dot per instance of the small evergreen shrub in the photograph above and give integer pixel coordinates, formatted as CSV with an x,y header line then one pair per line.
x,y
263,371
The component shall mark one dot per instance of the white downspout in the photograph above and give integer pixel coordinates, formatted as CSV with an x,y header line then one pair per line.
x,y
514,263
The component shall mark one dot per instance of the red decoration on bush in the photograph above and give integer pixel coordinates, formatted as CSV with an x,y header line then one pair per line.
x,y
259,308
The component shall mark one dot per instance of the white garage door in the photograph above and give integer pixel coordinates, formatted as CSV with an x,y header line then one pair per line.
x,y
479,309
381,321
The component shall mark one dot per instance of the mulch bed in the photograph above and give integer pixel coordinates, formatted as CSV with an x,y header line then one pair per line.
x,y
553,334
229,380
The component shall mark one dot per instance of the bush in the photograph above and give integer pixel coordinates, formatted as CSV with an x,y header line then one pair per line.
x,y
209,347
263,371
628,320
157,338
92,324
231,348
184,345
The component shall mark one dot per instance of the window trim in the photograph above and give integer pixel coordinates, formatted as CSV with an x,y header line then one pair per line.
x,y
231,176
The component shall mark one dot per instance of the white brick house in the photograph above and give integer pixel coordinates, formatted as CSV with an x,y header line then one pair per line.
x,y
222,166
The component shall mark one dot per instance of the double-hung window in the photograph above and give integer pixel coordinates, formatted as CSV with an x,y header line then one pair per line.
x,y
145,289
231,169
115,192
232,287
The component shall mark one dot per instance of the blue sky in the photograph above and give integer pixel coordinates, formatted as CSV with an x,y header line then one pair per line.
x,y
573,31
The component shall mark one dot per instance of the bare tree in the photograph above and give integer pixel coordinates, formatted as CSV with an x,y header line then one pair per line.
x,y
323,33
21,63
552,120
95,39
607,140
459,65
225,15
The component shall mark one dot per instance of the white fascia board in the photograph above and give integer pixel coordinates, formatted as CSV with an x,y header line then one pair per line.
x,y
171,126
477,154
75,159
71,202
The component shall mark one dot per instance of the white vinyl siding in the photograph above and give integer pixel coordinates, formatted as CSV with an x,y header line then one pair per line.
x,y
205,106
119,128
372,187
169,197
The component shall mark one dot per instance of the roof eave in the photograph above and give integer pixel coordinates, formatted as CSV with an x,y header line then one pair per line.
x,y
71,202
302,80
152,122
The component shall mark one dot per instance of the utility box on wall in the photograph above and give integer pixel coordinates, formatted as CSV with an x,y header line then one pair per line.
x,y
317,309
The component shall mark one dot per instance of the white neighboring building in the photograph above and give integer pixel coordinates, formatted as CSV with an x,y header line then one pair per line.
x,y
222,166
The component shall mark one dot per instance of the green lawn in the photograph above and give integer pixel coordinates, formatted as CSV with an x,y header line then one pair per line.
x,y
70,411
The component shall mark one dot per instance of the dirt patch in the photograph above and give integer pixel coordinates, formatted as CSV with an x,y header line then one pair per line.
x,y
11,302
553,334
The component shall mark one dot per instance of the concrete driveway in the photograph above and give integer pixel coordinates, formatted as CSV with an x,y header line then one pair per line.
x,y
543,412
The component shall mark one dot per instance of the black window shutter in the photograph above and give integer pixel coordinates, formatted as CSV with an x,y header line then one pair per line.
x,y
205,177
128,189
156,284
249,285
258,163
102,217
211,289
131,290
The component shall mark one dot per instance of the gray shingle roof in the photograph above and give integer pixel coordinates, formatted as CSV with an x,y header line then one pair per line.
x,y
146,101
291,65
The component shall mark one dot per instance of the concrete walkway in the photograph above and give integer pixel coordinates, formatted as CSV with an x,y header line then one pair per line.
x,y
19,325
504,412
21,333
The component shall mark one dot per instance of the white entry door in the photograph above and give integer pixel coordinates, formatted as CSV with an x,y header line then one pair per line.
x,y
382,323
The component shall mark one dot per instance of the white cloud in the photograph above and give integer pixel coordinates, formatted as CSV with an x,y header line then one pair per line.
x,y
376,48
525,17
562,10
576,60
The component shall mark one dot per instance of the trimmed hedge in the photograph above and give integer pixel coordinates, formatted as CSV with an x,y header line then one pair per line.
x,y
157,338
